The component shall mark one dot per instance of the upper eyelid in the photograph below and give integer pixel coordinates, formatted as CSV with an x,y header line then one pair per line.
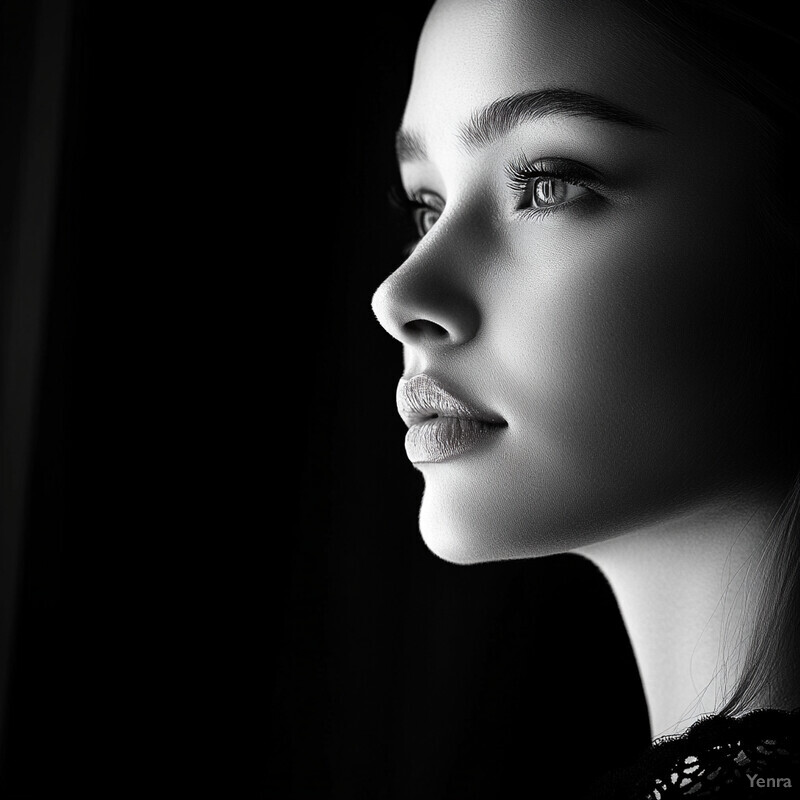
x,y
419,195
567,170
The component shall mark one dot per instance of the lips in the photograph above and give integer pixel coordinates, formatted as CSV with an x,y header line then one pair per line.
x,y
441,425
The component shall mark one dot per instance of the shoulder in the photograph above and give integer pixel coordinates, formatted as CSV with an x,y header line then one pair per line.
x,y
721,757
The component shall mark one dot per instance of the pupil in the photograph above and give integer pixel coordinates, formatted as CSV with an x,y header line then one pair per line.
x,y
545,191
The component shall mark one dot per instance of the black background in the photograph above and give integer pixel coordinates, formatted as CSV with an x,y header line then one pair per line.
x,y
399,675
224,587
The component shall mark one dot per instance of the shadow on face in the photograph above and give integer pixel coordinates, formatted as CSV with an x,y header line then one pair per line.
x,y
600,265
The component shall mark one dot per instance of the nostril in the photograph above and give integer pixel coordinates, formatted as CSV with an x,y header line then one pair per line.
x,y
418,308
419,329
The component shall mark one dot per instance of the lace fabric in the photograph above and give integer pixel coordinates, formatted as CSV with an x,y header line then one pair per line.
x,y
719,757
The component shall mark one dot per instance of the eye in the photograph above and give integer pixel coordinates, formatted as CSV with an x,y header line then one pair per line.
x,y
422,208
425,218
425,208
549,191
550,184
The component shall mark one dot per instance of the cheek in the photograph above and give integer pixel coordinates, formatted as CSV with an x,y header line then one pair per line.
x,y
614,339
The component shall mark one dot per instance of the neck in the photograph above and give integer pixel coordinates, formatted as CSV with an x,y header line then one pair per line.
x,y
685,590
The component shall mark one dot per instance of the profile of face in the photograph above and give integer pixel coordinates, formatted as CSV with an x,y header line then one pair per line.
x,y
574,315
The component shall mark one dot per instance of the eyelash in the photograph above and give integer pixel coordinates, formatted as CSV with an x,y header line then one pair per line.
x,y
410,204
522,171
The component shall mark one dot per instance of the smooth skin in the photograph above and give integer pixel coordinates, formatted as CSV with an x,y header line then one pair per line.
x,y
612,331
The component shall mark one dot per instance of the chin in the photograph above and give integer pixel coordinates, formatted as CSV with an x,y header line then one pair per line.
x,y
463,525
449,541
471,516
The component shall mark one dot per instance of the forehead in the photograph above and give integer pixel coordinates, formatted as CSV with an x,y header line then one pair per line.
x,y
473,52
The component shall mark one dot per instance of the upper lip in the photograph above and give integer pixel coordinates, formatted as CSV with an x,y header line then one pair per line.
x,y
421,397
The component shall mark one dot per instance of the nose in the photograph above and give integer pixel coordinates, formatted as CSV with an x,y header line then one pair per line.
x,y
426,304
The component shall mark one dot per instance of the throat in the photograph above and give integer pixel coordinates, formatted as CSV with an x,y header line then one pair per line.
x,y
687,591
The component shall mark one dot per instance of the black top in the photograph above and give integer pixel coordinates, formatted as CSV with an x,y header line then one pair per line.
x,y
756,755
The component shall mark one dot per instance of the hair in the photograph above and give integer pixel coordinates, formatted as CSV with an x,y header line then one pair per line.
x,y
748,49
774,633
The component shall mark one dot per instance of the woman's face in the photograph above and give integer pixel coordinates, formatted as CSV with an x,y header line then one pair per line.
x,y
582,281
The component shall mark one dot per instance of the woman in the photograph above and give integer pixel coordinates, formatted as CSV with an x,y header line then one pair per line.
x,y
599,350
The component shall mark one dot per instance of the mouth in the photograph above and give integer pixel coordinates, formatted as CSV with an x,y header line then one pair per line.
x,y
441,425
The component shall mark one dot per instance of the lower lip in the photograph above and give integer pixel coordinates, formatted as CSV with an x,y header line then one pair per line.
x,y
441,438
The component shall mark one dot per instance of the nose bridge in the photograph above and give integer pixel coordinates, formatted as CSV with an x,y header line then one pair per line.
x,y
429,298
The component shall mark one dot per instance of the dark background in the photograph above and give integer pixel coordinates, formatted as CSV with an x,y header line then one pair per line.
x,y
223,587
399,675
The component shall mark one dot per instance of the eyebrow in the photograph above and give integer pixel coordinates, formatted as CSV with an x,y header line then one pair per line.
x,y
409,146
501,116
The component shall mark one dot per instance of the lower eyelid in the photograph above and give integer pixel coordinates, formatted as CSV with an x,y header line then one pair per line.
x,y
589,198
